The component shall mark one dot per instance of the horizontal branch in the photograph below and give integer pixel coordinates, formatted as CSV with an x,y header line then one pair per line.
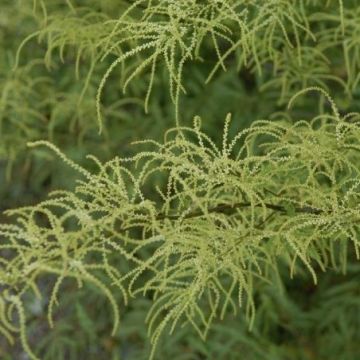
x,y
229,209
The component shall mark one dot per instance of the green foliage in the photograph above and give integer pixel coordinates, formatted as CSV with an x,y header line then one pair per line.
x,y
205,236
245,243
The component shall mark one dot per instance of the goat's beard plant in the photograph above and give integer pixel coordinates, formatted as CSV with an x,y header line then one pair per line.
x,y
191,245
